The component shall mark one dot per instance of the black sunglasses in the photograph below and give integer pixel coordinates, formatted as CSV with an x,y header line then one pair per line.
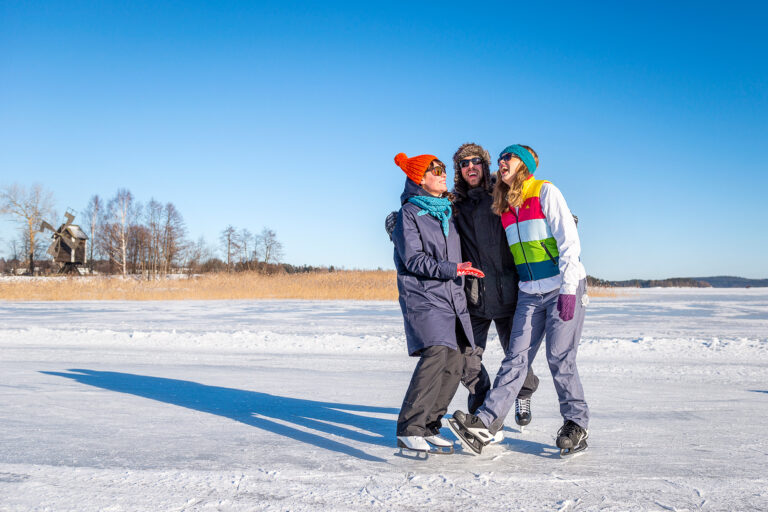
x,y
507,157
465,163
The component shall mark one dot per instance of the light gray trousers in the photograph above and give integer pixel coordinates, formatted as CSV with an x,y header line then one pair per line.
x,y
536,317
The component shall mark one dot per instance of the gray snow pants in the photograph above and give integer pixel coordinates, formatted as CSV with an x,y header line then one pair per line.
x,y
433,384
537,315
474,375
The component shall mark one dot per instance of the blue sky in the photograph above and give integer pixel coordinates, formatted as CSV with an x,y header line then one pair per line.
x,y
652,119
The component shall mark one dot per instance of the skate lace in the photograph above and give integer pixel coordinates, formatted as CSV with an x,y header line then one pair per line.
x,y
523,406
568,429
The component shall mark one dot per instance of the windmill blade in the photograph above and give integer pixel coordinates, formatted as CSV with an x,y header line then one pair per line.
x,y
44,225
52,249
70,218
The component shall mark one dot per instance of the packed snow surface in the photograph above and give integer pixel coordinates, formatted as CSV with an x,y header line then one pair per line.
x,y
291,405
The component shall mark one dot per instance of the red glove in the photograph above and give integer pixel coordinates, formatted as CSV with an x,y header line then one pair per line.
x,y
466,269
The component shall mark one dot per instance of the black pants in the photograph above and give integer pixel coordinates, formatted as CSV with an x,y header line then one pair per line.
x,y
474,375
433,384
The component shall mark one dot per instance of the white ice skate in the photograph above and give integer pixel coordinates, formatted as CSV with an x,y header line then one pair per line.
x,y
439,444
413,447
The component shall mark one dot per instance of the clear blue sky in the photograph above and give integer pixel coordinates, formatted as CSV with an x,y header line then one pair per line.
x,y
652,119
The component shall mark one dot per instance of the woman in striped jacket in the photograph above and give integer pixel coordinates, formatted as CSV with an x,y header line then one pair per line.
x,y
542,236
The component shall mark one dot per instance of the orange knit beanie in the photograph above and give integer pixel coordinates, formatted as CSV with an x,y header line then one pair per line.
x,y
414,167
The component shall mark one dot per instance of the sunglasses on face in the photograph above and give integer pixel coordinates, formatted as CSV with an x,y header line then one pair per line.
x,y
507,157
465,163
437,171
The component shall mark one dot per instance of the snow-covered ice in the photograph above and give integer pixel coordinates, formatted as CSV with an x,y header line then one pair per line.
x,y
291,405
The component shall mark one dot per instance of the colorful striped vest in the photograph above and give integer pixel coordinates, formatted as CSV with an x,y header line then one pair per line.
x,y
530,239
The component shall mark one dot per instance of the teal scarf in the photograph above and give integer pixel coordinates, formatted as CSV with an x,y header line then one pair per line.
x,y
438,207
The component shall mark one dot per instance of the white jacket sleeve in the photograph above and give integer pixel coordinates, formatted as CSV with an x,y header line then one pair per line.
x,y
563,228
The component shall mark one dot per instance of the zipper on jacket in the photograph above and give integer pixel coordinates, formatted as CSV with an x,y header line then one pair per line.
x,y
522,247
447,284
543,245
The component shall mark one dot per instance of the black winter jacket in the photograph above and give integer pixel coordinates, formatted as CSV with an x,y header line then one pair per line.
x,y
484,243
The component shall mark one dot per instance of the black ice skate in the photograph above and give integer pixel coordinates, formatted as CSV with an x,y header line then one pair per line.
x,y
470,430
522,411
571,439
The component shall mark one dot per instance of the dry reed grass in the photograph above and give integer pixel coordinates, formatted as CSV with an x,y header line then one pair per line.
x,y
349,285
602,291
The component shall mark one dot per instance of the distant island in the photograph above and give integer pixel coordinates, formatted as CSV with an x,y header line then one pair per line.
x,y
686,282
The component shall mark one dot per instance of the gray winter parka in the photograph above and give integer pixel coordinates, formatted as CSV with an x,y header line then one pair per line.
x,y
430,293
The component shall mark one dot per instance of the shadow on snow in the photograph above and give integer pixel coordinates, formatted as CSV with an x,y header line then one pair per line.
x,y
260,410
517,445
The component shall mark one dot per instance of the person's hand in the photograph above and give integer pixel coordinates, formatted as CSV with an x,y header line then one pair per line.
x,y
389,223
466,269
566,304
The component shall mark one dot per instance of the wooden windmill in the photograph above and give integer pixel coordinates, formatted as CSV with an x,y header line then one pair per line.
x,y
68,248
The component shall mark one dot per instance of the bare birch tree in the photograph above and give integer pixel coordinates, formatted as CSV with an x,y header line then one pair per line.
x,y
153,221
173,234
92,216
28,208
120,215
196,253
228,239
268,247
246,241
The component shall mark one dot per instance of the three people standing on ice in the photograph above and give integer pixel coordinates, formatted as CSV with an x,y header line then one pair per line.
x,y
543,241
493,298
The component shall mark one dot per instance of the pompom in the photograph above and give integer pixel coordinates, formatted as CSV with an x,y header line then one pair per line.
x,y
400,159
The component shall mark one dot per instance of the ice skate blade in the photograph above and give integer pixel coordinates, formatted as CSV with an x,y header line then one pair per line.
x,y
498,438
407,453
440,450
569,453
410,453
466,438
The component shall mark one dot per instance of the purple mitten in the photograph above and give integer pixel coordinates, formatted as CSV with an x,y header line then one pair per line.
x,y
566,303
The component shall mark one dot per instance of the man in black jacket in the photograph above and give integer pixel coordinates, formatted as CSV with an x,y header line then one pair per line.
x,y
492,299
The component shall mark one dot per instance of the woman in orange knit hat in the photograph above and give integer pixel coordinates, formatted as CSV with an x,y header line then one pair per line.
x,y
431,295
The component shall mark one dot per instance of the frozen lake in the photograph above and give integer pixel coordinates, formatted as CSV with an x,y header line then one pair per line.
x,y
291,405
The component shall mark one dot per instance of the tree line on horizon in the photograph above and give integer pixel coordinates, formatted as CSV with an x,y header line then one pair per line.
x,y
127,236
130,237
674,282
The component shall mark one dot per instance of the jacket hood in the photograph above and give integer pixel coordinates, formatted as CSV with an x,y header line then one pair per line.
x,y
411,189
460,186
